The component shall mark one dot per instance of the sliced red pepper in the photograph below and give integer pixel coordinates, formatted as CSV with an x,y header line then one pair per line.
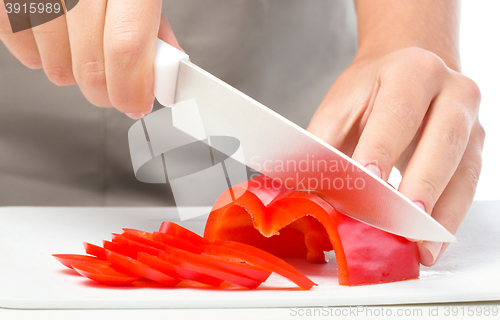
x,y
175,230
159,240
172,269
238,266
101,271
199,265
227,265
256,256
70,259
176,242
94,250
119,248
274,218
139,269
143,237
134,245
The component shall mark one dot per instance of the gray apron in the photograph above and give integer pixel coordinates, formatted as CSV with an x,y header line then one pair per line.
x,y
57,149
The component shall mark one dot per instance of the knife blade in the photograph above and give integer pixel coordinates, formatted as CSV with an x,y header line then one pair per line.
x,y
280,149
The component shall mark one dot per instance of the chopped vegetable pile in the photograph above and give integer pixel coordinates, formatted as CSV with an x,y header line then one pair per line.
x,y
174,254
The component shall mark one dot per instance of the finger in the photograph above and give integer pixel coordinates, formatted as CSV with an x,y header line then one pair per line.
x,y
456,199
444,137
86,33
53,44
407,87
21,44
166,34
343,112
130,34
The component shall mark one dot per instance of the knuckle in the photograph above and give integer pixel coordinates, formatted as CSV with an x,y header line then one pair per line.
x,y
91,74
481,132
125,43
470,88
471,171
60,76
454,139
424,61
403,112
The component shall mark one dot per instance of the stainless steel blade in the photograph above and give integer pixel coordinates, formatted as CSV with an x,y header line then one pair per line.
x,y
289,154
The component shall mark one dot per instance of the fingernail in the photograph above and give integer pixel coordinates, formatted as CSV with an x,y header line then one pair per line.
x,y
135,116
420,205
429,251
374,169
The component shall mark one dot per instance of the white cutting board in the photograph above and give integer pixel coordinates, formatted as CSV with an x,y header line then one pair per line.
x,y
30,278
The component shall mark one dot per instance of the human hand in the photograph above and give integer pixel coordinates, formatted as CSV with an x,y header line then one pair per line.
x,y
106,47
407,109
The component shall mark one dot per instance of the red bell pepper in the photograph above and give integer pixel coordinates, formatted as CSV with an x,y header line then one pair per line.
x,y
175,270
101,271
254,256
69,259
95,251
136,268
174,230
294,224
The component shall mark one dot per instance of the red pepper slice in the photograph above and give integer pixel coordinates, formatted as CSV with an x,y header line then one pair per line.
x,y
101,271
198,264
70,259
275,219
120,248
143,237
94,250
134,245
240,267
175,230
159,240
224,264
176,242
256,256
172,270
139,269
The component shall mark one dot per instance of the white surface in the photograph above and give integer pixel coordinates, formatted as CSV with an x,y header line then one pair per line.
x,y
32,279
427,311
166,70
480,51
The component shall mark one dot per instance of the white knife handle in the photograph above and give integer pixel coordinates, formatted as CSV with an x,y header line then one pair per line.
x,y
166,70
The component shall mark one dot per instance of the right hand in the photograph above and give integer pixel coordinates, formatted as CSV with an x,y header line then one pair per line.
x,y
106,47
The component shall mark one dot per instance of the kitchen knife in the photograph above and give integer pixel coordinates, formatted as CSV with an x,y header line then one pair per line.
x,y
280,149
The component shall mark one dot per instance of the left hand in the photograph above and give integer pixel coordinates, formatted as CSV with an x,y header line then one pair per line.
x,y
407,109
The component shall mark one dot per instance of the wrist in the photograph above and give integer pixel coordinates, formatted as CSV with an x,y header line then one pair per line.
x,y
374,50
